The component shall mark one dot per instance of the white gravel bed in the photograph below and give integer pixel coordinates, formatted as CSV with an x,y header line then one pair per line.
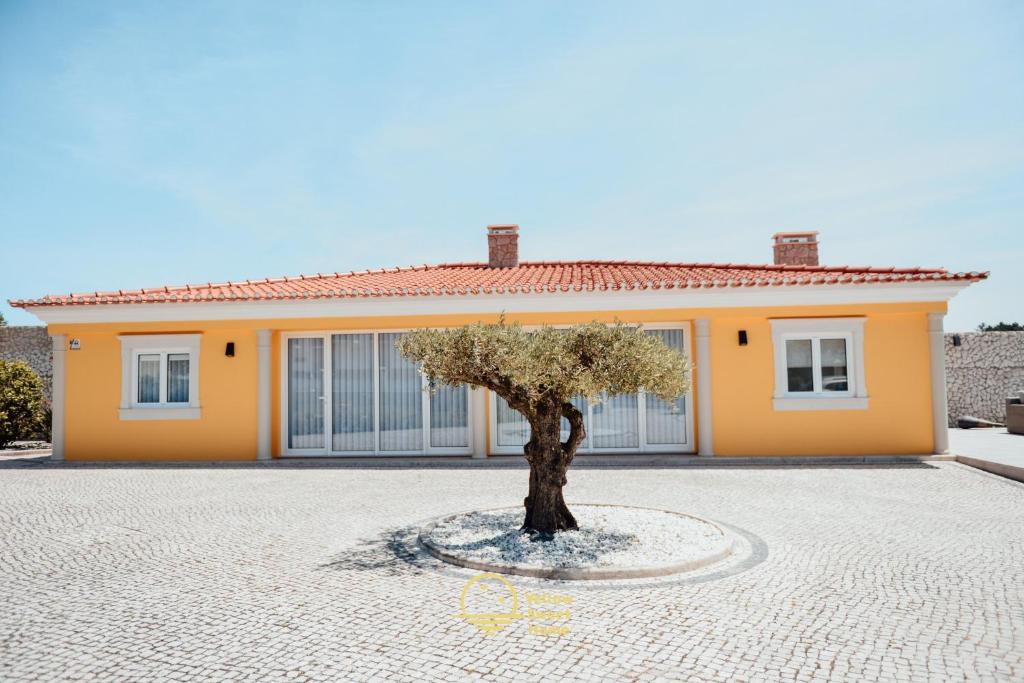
x,y
609,537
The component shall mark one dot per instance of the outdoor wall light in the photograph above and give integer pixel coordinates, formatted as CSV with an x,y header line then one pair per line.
x,y
743,337
956,340
229,350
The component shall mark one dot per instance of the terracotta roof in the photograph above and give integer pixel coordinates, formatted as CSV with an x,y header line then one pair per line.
x,y
461,279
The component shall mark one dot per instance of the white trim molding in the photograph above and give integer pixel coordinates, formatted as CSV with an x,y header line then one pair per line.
x,y
521,302
937,365
855,397
132,345
263,417
705,432
60,345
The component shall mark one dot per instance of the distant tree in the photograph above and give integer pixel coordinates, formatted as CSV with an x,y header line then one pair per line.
x,y
538,373
1001,327
22,406
3,322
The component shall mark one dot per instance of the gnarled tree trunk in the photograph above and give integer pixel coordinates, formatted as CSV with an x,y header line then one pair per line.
x,y
549,458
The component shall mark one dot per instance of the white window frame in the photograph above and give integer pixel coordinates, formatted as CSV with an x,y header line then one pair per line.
x,y
133,346
329,411
816,329
643,446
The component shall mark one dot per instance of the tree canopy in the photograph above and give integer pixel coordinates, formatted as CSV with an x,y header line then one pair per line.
x,y
527,366
1001,327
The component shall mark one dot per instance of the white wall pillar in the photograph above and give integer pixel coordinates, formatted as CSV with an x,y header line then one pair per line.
x,y
937,358
60,345
478,399
705,437
263,395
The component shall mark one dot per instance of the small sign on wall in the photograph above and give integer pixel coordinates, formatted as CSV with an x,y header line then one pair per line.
x,y
75,344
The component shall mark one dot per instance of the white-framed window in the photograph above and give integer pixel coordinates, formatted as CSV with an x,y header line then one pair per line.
x,y
160,377
620,424
819,364
352,393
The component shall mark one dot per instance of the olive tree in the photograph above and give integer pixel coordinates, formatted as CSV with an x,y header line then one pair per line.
x,y
538,372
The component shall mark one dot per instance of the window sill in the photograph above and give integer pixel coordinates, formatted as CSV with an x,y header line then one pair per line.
x,y
187,413
821,403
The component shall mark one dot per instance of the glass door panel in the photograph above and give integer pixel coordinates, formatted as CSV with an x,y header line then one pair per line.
x,y
666,422
306,393
615,423
352,392
449,417
512,427
401,398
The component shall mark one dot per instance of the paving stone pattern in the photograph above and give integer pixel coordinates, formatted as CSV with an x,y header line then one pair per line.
x,y
872,573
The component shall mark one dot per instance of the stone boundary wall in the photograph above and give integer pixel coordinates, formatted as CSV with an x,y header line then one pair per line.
x,y
32,345
981,372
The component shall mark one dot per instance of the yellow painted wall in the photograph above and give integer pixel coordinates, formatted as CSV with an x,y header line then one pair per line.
x,y
897,374
898,420
227,397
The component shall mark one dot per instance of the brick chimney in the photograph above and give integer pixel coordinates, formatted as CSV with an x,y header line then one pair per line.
x,y
796,248
502,246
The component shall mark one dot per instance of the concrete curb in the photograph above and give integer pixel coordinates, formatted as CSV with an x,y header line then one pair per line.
x,y
1002,469
724,550
33,451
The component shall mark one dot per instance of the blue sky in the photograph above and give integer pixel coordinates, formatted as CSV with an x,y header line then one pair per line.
x,y
161,143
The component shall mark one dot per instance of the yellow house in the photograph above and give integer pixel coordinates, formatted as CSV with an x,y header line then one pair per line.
x,y
788,359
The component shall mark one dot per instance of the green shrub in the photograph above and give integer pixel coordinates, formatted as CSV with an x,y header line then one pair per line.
x,y
22,406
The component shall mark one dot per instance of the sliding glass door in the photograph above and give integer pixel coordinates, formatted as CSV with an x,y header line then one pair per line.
x,y
617,424
358,389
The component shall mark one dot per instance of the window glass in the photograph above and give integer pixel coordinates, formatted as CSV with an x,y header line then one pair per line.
x,y
449,416
666,422
352,392
833,365
149,378
615,422
177,377
401,399
305,393
799,365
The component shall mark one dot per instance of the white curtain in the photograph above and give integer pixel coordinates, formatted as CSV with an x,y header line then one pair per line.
x,y
306,393
401,399
352,392
149,378
615,423
449,417
666,422
513,429
177,378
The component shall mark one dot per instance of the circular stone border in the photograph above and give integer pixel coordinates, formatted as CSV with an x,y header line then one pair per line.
x,y
724,550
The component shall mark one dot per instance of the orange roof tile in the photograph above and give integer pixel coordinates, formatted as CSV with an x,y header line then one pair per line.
x,y
461,279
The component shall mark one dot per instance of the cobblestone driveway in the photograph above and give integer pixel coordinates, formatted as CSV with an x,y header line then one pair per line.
x,y
899,573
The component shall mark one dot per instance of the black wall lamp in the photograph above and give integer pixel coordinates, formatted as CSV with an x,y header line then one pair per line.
x,y
743,337
229,350
956,340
